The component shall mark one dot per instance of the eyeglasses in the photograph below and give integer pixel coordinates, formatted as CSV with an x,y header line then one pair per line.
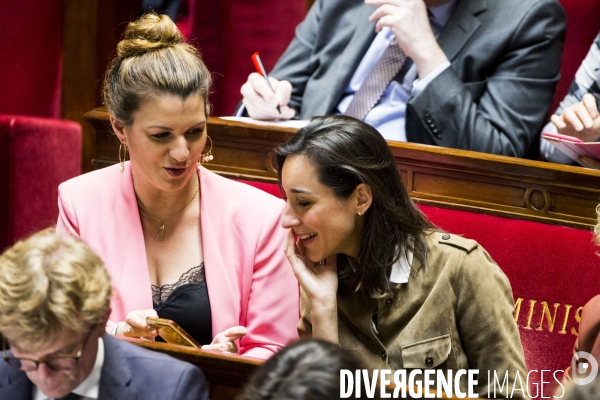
x,y
54,363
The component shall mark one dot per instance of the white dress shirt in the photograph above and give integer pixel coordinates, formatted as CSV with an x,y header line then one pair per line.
x,y
90,387
401,269
400,274
388,115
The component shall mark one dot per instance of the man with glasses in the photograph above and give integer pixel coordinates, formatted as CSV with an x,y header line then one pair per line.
x,y
54,304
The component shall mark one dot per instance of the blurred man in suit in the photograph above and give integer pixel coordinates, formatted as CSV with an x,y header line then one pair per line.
x,y
479,74
54,304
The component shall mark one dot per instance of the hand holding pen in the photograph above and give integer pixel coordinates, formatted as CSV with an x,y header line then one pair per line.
x,y
260,68
266,98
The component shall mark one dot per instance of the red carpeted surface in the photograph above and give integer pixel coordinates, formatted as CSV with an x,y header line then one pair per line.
x,y
553,271
36,155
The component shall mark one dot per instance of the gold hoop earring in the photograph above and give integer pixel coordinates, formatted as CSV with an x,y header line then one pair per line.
x,y
122,156
207,157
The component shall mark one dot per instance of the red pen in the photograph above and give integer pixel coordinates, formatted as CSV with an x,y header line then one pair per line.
x,y
261,70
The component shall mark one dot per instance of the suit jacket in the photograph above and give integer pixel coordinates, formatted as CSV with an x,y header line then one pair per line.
x,y
455,312
249,279
129,372
505,61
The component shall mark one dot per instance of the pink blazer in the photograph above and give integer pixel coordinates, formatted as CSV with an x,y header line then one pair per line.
x,y
249,280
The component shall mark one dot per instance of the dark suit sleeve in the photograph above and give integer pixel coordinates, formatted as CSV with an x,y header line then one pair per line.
x,y
504,113
191,385
298,63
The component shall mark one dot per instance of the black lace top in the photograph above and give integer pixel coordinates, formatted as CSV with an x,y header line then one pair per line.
x,y
186,302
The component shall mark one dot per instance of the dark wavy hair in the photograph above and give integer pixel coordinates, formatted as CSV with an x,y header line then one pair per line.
x,y
307,369
347,152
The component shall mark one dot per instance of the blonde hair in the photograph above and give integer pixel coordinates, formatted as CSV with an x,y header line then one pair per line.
x,y
49,286
153,60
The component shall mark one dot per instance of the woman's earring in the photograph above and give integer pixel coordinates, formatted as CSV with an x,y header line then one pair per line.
x,y
122,156
359,214
206,157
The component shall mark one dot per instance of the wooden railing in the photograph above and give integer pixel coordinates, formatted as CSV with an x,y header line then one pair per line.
x,y
226,374
444,177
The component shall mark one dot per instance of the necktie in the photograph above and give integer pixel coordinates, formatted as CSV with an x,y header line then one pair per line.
x,y
71,396
376,81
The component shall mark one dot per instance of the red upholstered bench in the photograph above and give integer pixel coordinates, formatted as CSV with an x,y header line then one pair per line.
x,y
36,155
270,188
32,52
553,270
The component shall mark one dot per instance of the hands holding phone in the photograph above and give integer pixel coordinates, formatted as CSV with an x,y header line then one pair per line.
x,y
580,120
225,341
135,325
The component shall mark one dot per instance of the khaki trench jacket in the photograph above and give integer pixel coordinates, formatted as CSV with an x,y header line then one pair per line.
x,y
455,312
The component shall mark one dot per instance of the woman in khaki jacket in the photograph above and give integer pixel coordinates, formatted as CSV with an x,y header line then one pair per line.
x,y
376,276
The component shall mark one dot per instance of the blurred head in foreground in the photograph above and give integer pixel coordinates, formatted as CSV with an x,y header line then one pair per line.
x,y
305,369
54,303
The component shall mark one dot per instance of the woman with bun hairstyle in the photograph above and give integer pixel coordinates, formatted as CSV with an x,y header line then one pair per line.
x,y
375,275
179,241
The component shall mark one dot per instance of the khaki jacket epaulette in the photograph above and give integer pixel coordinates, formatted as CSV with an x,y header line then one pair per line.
x,y
457,241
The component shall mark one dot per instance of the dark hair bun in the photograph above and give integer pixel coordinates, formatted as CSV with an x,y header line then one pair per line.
x,y
149,33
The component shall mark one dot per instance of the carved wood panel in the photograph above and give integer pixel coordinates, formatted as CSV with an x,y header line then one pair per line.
x,y
451,178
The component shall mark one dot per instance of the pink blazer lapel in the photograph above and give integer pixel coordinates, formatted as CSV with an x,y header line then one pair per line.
x,y
132,279
219,269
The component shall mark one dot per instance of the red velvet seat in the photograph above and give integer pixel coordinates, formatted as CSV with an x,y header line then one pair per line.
x,y
36,155
270,188
553,270
31,49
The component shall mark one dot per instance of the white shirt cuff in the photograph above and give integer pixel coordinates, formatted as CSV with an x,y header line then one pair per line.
x,y
420,84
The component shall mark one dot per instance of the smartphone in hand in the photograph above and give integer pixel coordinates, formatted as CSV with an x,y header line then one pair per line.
x,y
171,332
